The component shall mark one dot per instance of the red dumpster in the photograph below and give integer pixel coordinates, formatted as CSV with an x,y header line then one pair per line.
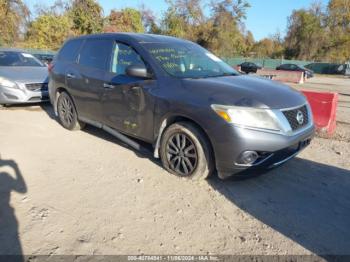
x,y
324,110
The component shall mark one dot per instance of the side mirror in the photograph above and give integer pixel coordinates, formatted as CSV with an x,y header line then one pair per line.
x,y
138,71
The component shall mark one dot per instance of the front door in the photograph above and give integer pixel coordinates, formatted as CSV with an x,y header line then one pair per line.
x,y
127,101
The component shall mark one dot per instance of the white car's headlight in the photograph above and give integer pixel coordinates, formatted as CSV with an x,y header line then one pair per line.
x,y
7,83
249,117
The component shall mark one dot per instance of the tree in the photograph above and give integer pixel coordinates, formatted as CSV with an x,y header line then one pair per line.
x,y
172,24
51,27
13,17
249,43
48,31
269,47
125,20
149,21
87,16
59,7
305,36
226,38
264,48
338,48
183,18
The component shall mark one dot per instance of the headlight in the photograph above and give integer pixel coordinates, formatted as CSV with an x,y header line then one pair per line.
x,y
7,83
249,117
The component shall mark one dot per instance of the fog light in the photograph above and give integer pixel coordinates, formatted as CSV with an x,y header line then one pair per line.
x,y
248,157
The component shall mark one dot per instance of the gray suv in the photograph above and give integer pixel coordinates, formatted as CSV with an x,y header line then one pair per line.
x,y
198,113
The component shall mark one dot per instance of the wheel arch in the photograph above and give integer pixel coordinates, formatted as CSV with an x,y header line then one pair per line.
x,y
58,91
169,120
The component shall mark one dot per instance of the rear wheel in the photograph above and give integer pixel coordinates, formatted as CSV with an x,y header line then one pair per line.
x,y
67,113
185,151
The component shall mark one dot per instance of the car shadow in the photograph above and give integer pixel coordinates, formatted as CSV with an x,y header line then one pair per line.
x,y
10,245
48,109
145,152
147,149
33,107
307,202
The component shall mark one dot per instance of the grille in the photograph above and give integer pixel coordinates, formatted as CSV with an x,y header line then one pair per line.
x,y
292,116
37,87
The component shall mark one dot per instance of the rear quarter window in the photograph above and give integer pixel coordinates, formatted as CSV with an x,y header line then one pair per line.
x,y
69,51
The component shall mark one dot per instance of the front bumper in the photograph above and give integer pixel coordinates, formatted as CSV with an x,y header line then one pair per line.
x,y
276,148
21,95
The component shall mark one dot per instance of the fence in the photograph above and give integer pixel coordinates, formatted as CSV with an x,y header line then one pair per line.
x,y
267,63
39,51
318,68
34,51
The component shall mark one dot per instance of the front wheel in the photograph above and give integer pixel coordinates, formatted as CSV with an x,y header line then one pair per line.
x,y
185,151
67,113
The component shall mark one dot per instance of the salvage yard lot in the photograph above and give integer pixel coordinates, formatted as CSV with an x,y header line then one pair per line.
x,y
86,193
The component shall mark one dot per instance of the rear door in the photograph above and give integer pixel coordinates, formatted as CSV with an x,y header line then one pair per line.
x,y
64,62
89,79
127,101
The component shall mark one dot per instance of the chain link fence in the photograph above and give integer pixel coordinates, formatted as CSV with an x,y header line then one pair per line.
x,y
318,68
265,62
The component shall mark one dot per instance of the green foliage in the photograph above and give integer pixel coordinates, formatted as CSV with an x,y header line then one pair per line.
x,y
13,16
183,18
305,34
316,33
87,16
48,31
338,48
220,32
125,20
226,38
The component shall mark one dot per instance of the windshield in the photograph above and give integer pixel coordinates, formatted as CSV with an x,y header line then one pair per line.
x,y
11,58
186,60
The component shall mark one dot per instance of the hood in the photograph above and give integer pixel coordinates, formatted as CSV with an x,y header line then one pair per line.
x,y
25,74
246,91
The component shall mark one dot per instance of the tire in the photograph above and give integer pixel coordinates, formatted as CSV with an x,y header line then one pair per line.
x,y
67,114
185,151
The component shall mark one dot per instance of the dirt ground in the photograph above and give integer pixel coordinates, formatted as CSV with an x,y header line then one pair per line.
x,y
84,192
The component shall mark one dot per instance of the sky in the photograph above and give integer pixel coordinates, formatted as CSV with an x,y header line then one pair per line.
x,y
264,17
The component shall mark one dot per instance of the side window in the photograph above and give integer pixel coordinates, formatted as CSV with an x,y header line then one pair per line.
x,y
69,51
96,53
124,56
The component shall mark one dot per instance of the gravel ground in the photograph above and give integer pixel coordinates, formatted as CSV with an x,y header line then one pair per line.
x,y
86,193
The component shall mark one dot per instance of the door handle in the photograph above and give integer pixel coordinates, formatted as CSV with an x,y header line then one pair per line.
x,y
108,86
70,75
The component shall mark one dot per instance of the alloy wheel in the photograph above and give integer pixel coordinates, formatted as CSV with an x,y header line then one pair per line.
x,y
66,111
181,154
